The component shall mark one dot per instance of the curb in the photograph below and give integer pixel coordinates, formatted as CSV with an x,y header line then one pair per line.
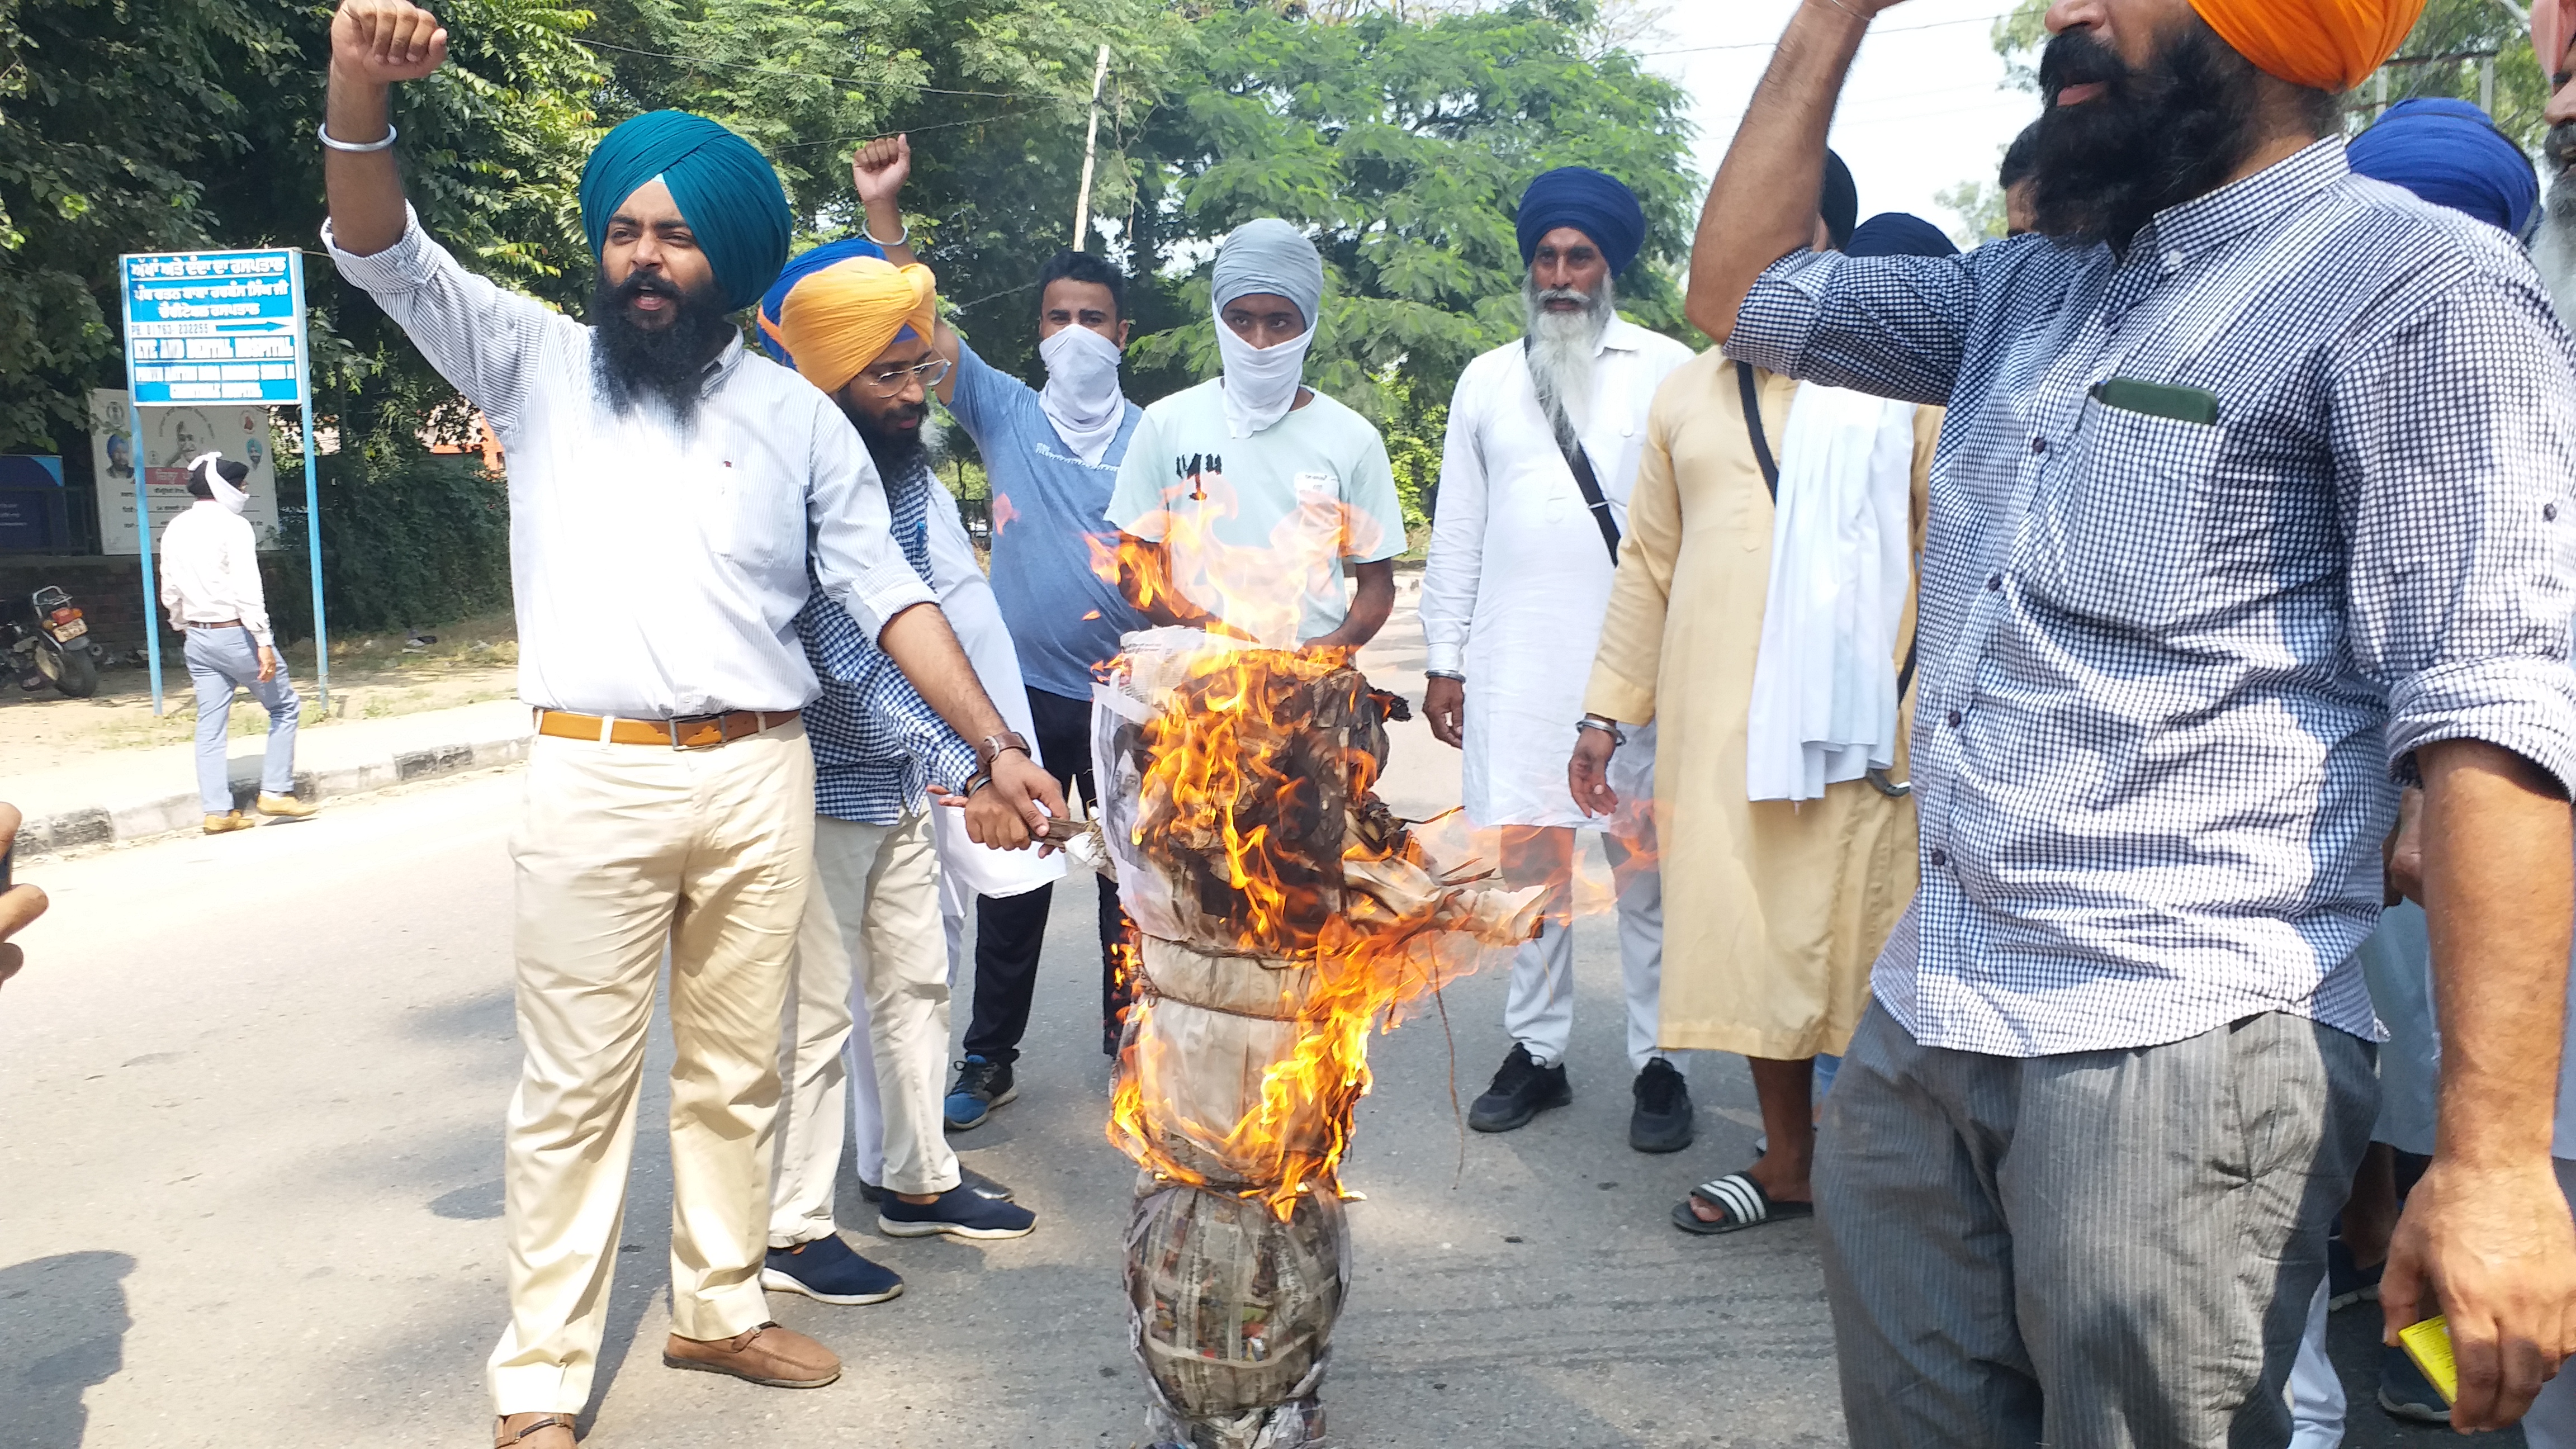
x,y
132,820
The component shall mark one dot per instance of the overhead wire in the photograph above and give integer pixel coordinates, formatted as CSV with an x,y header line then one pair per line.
x,y
792,74
1773,44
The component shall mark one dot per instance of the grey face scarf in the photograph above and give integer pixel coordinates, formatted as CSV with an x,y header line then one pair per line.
x,y
1270,257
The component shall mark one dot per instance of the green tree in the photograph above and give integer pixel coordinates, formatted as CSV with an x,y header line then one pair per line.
x,y
1979,205
1402,147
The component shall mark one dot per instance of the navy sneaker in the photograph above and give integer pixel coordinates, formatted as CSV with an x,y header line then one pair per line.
x,y
2404,1392
827,1271
2348,1283
967,1178
981,1086
960,1212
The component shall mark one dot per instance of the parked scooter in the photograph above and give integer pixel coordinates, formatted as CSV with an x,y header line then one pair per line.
x,y
47,642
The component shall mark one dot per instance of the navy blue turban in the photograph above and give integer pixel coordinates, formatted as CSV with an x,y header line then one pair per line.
x,y
1899,234
2450,154
1596,205
1839,201
803,265
726,192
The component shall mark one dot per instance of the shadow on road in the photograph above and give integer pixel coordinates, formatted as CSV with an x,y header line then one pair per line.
x,y
62,1328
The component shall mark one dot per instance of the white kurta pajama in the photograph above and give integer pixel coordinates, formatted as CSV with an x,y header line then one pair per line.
x,y
1512,598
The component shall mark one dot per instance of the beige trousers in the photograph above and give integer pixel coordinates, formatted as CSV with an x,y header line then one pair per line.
x,y
870,949
621,851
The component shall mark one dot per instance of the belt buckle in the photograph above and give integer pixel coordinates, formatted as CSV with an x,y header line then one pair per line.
x,y
677,721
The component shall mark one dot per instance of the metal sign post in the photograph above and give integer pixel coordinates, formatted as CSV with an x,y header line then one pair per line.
x,y
218,327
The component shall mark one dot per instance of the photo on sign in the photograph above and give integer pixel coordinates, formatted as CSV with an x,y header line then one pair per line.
x,y
171,437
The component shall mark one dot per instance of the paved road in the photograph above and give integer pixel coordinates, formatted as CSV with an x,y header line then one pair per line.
x,y
250,1099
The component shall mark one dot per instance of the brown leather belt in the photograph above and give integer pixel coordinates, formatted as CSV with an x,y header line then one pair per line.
x,y
690,732
219,624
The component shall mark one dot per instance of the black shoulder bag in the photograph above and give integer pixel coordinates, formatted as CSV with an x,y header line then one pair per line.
x,y
1591,486
1771,480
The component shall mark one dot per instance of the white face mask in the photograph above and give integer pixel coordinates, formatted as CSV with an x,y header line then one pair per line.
x,y
1081,395
1260,382
226,494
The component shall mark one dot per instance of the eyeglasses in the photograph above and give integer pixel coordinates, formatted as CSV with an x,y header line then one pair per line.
x,y
886,382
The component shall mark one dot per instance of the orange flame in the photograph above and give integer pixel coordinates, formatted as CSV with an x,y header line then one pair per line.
x,y
1241,791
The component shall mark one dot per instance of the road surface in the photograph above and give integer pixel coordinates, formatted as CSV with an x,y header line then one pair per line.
x,y
250,1103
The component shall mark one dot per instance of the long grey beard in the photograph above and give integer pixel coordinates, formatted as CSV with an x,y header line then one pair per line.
x,y
1561,350
2553,245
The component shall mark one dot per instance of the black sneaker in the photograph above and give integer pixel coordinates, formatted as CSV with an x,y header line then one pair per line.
x,y
1521,1090
1662,1121
981,1086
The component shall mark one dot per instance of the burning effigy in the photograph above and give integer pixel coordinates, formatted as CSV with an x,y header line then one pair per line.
x,y
1284,913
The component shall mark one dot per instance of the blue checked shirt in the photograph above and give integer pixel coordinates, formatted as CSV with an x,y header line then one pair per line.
x,y
2171,669
877,744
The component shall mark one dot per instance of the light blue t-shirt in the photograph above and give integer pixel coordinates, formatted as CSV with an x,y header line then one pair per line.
x,y
1257,528
1047,503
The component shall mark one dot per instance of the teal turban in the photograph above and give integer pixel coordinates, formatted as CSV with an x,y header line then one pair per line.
x,y
725,189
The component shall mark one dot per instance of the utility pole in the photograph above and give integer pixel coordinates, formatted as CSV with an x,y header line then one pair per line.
x,y
1090,147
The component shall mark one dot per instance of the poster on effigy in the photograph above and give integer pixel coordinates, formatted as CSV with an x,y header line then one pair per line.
x,y
172,436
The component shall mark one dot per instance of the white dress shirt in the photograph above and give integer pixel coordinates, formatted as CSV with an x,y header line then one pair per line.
x,y
210,570
1518,577
658,570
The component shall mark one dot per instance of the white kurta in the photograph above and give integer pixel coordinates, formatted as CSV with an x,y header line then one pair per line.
x,y
1518,579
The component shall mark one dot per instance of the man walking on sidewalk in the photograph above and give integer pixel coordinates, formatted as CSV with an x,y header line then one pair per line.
x,y
210,584
1053,457
675,503
1544,437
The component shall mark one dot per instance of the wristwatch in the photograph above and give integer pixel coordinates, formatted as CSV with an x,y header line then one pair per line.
x,y
991,747
1611,728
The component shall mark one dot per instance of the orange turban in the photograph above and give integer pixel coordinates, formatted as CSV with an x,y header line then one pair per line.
x,y
836,321
2326,45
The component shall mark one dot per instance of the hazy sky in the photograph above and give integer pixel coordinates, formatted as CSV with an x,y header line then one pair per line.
x,y
1926,107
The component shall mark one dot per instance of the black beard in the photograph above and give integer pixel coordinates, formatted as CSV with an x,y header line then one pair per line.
x,y
2101,169
897,452
668,365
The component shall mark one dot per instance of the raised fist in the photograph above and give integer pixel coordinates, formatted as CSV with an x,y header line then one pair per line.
x,y
384,41
881,167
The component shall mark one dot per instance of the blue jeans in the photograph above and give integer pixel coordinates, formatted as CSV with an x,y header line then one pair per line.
x,y
218,661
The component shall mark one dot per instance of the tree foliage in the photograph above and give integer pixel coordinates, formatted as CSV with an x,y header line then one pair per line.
x,y
1399,134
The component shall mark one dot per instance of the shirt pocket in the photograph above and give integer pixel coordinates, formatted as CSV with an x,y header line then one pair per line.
x,y
1320,512
2117,531
755,511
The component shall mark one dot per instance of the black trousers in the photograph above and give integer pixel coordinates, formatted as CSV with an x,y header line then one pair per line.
x,y
1011,930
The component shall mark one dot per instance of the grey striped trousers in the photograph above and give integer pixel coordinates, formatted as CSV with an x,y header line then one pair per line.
x,y
2099,1250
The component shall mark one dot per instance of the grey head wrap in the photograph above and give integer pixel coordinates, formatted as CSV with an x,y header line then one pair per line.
x,y
1271,256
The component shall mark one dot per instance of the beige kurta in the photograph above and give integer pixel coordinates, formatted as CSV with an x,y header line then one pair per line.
x,y
1772,912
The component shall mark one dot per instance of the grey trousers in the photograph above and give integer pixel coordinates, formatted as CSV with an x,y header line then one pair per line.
x,y
2099,1250
218,660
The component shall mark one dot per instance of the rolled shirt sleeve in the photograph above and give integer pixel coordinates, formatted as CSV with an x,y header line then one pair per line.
x,y
856,561
2461,520
1892,326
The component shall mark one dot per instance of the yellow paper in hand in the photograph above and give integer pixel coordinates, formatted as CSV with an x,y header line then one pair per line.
x,y
2429,1344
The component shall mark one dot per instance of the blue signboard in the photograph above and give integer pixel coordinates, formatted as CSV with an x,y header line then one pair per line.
x,y
222,327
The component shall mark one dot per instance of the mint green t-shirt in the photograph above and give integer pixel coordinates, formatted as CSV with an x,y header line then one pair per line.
x,y
1257,528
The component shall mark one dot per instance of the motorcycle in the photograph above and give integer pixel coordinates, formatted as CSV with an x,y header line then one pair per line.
x,y
47,642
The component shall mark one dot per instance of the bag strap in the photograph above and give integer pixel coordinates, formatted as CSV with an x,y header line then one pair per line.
x,y
1584,478
1753,429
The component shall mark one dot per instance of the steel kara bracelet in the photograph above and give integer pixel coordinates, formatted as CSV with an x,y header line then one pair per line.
x,y
322,131
1611,728
1444,674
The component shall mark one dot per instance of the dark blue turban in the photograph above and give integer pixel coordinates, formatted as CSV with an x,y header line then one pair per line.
x,y
1839,201
1899,234
2450,154
726,192
1588,201
803,265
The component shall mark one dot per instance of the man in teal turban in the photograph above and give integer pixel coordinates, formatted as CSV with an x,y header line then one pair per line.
x,y
676,503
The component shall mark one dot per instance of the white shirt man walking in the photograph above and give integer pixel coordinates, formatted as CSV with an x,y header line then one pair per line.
x,y
1544,438
210,584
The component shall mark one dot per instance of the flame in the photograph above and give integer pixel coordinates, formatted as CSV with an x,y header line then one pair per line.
x,y
1239,781
1003,513
1185,559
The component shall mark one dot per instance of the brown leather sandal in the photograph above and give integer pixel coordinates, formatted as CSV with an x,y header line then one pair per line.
x,y
504,1437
